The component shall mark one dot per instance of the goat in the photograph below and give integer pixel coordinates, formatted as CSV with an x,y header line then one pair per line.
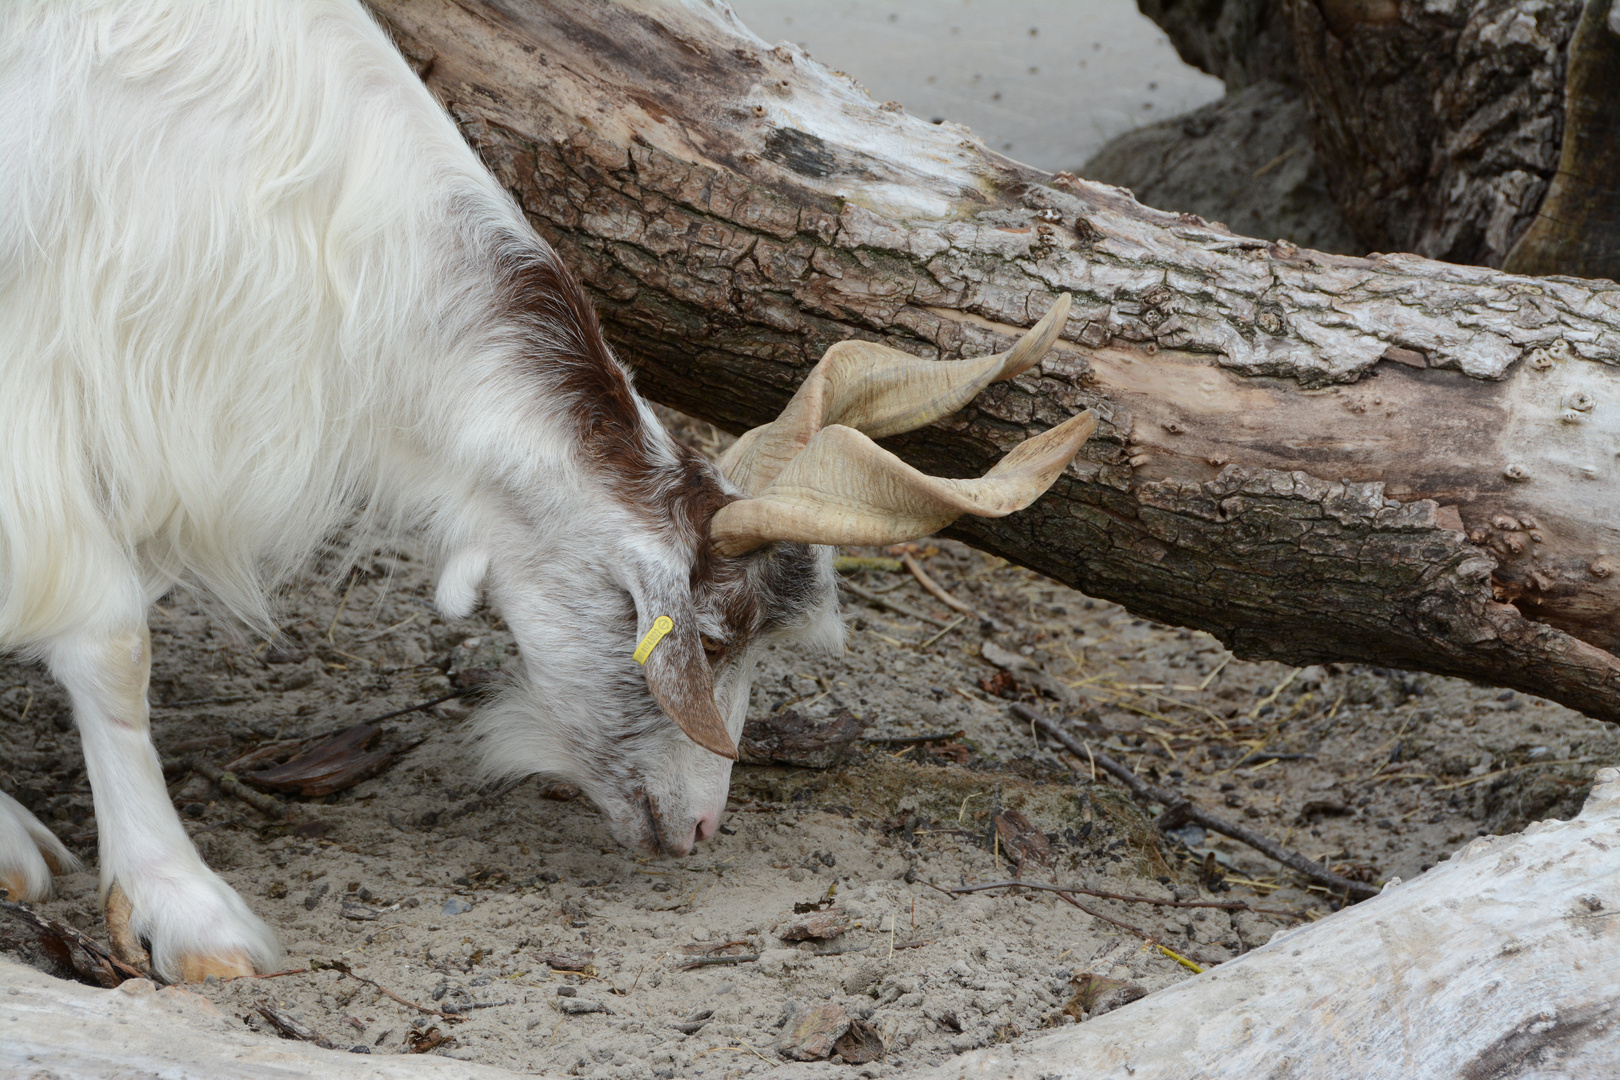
x,y
255,287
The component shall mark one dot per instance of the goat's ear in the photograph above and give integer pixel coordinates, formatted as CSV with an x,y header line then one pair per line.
x,y
460,582
680,680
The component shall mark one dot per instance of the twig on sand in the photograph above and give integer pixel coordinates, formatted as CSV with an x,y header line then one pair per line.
x,y
1066,898
420,705
893,605
1223,905
959,621
1180,810
718,961
939,592
293,1029
230,784
344,969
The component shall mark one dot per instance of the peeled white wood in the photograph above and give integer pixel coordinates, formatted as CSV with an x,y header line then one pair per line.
x,y
65,1031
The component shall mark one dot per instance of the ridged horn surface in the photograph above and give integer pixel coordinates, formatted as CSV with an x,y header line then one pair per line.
x,y
843,488
878,391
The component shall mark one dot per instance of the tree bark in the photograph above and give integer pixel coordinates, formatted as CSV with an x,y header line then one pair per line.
x,y
1314,457
1439,125
1445,129
1240,42
1577,229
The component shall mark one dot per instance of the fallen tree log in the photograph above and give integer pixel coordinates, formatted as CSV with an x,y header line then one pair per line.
x,y
1313,457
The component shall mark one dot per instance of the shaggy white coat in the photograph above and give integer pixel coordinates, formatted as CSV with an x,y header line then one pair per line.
x,y
251,288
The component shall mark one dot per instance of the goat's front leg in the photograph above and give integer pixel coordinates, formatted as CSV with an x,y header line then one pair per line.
x,y
155,886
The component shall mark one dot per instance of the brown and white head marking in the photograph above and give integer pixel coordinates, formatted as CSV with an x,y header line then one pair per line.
x,y
735,556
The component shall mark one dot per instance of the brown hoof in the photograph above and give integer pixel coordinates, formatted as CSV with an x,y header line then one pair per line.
x,y
195,967
124,942
15,883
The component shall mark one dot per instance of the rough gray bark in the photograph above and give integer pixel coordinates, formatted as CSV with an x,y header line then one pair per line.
x,y
1240,42
1314,457
1577,229
1438,124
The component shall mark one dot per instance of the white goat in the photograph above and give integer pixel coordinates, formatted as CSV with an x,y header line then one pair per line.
x,y
254,285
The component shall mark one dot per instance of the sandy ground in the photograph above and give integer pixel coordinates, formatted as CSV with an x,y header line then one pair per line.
x,y
461,899
1045,81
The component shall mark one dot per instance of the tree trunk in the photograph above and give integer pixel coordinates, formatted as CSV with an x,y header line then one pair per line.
x,y
1439,128
1577,230
1314,457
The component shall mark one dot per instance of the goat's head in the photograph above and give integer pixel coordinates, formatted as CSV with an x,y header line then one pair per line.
x,y
722,559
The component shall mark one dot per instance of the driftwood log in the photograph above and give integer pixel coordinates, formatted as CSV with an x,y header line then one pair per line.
x,y
1314,457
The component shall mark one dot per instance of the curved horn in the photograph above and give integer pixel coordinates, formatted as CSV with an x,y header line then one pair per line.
x,y
843,488
879,391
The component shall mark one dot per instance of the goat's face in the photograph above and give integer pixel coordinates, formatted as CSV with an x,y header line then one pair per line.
x,y
652,743
585,711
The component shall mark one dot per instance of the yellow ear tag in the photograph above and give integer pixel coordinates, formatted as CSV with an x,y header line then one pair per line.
x,y
661,626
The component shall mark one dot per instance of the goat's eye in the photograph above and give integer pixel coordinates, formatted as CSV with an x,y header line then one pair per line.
x,y
712,647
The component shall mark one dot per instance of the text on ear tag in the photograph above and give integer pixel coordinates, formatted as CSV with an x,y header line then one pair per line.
x,y
661,626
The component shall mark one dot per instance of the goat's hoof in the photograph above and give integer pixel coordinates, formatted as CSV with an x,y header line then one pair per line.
x,y
125,942
16,885
195,967
193,924
29,853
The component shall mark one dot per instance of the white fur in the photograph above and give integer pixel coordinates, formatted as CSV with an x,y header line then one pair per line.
x,y
460,582
252,288
236,310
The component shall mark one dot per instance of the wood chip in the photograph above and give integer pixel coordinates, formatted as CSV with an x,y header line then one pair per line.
x,y
422,1042
791,738
859,1044
335,765
820,926
1021,841
565,962
1095,995
810,1031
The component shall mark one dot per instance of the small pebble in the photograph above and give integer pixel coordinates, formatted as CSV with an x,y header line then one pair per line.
x,y
456,906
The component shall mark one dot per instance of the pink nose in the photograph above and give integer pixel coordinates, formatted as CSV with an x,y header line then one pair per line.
x,y
706,825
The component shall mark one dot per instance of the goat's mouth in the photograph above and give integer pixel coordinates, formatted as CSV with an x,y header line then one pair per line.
x,y
656,837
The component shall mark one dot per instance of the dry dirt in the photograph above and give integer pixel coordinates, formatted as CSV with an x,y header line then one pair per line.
x,y
453,897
